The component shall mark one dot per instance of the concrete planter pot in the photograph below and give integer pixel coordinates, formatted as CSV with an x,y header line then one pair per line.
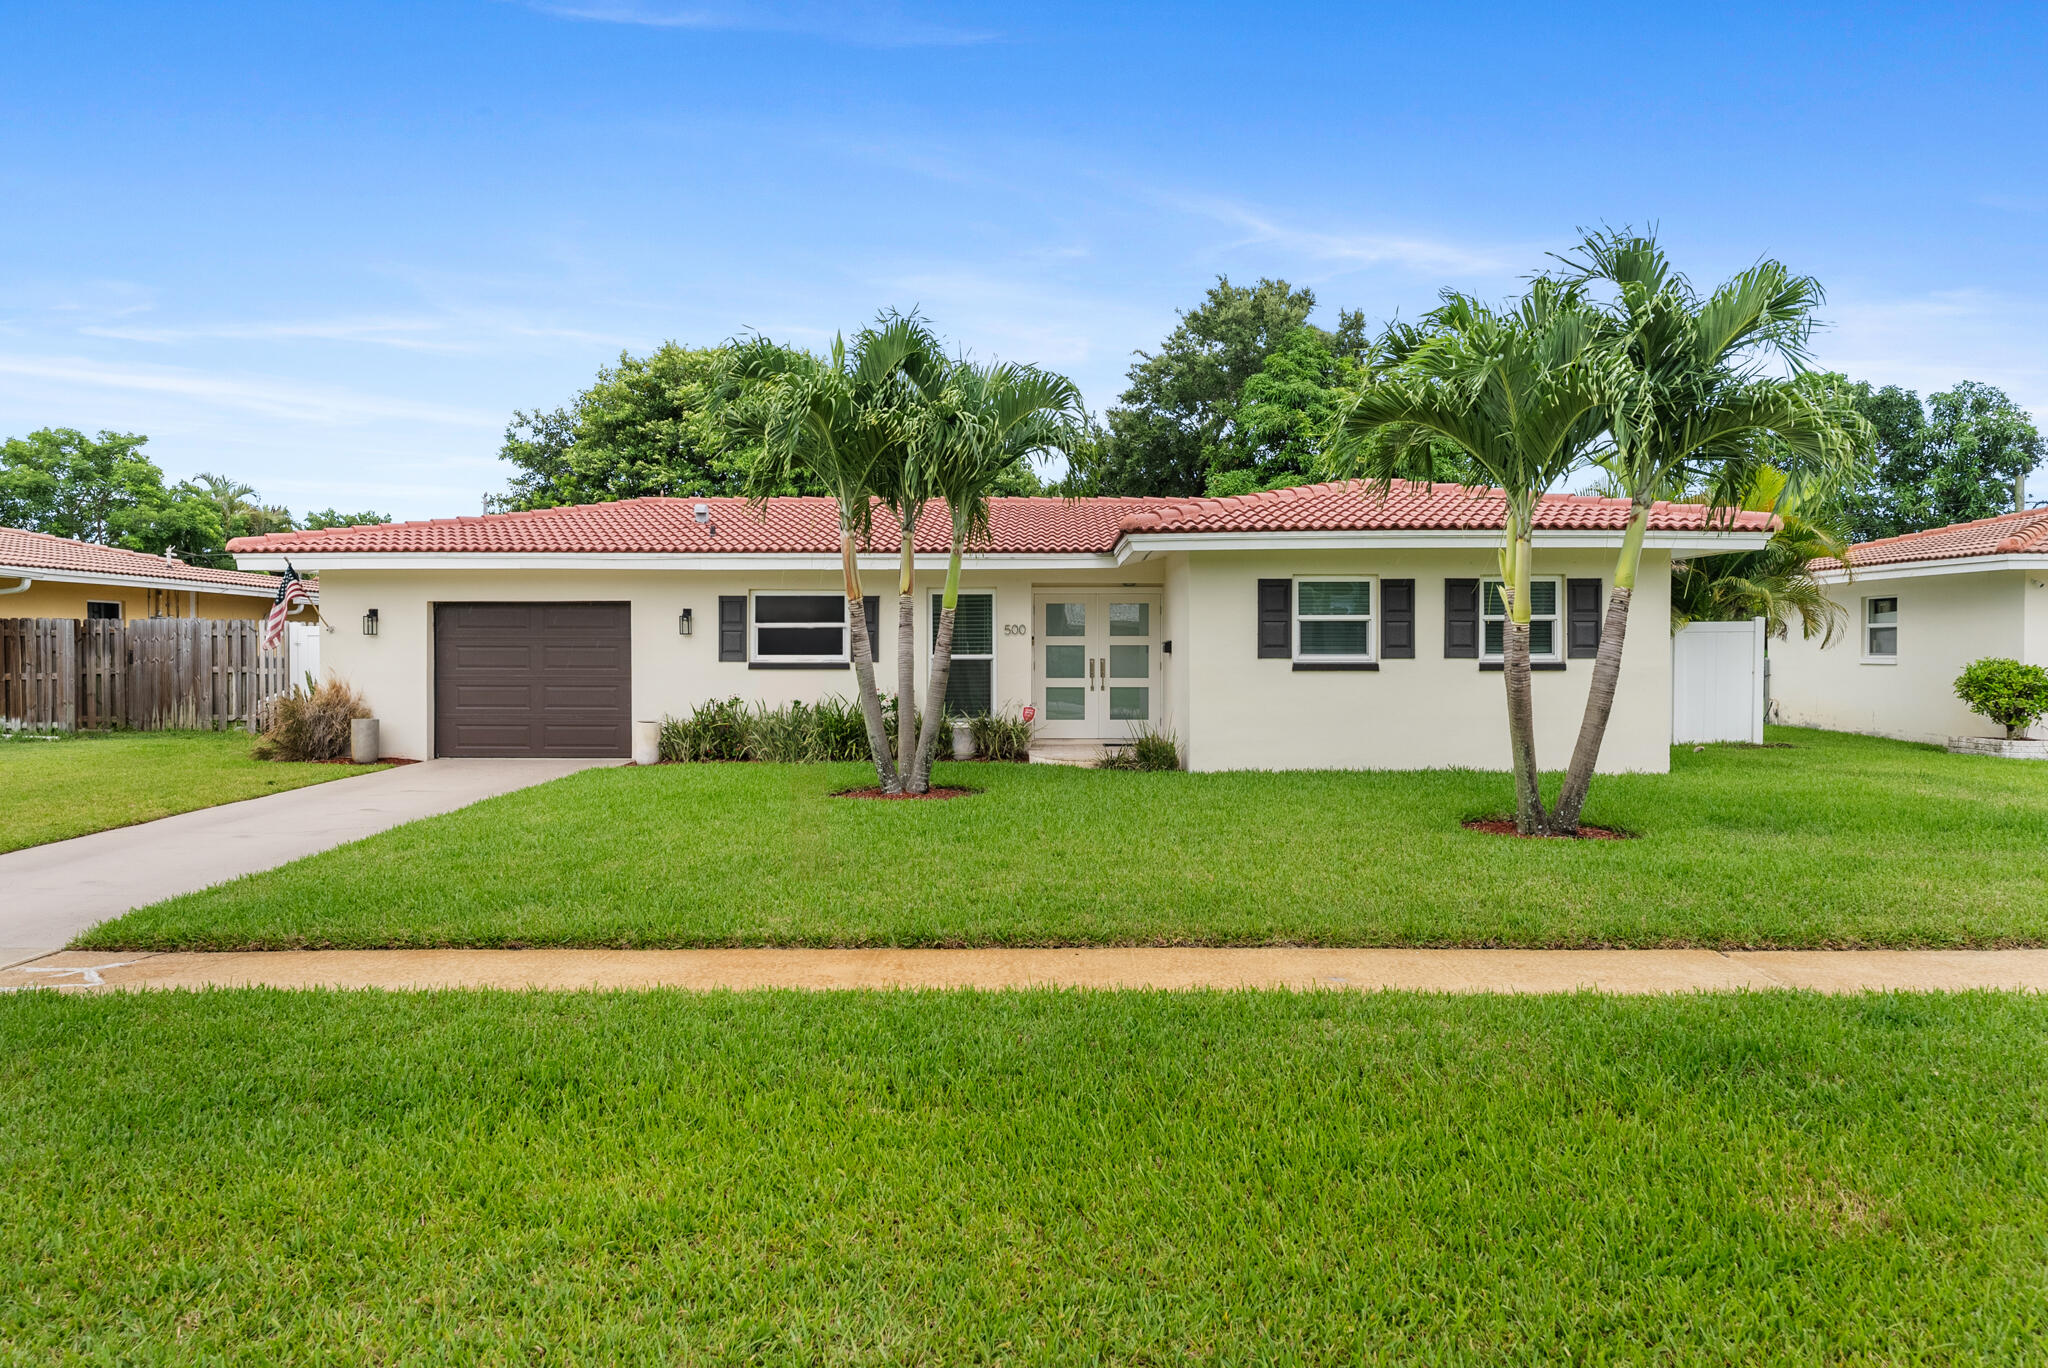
x,y
647,743
963,739
363,745
2000,746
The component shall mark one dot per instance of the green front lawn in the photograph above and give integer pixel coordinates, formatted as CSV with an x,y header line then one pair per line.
x,y
52,790
272,1177
1837,841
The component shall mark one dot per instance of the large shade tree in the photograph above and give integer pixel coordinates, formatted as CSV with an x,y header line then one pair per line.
x,y
1693,397
1517,392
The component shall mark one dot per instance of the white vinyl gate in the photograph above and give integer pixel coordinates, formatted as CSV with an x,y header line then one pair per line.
x,y
304,640
1717,682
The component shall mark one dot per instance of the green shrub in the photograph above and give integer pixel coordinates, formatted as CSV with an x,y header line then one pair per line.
x,y
1000,736
1151,749
311,724
795,733
2013,695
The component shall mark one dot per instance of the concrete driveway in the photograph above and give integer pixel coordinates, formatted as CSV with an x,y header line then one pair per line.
x,y
50,893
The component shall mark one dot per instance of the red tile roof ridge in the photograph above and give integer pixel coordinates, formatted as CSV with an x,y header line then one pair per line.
x,y
33,551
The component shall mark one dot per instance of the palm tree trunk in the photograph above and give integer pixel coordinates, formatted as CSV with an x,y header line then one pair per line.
x,y
1578,779
906,657
864,665
942,666
1530,819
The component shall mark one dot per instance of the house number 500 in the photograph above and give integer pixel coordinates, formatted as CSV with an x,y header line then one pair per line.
x,y
1015,628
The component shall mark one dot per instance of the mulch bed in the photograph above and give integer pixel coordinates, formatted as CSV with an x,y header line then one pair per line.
x,y
1505,826
891,797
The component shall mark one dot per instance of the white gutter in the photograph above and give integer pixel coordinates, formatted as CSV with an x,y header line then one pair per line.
x,y
1947,565
135,581
19,588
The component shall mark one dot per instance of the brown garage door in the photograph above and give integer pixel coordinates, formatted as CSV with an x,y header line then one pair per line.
x,y
532,679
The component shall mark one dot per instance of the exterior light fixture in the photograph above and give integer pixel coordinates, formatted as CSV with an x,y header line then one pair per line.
x,y
370,623
683,623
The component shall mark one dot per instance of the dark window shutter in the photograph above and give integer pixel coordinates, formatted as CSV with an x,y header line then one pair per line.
x,y
732,626
1397,619
873,606
1276,619
1582,613
1461,619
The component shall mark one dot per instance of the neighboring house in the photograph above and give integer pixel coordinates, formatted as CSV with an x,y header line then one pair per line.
x,y
42,576
1920,607
1319,627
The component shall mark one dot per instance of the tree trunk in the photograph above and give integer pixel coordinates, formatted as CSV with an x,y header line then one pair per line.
x,y
906,659
942,666
1530,818
1578,779
864,666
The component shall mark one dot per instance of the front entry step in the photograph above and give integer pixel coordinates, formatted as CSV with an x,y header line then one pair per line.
x,y
1084,753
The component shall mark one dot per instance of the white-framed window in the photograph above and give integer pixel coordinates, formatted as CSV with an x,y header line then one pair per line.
x,y
1881,629
970,686
1333,618
1546,625
799,629
102,610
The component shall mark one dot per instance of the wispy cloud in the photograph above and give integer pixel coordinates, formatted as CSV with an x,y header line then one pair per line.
x,y
300,403
866,25
1349,249
1929,341
445,335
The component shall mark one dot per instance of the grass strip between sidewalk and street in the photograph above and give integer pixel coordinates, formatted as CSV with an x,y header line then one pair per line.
x,y
259,1176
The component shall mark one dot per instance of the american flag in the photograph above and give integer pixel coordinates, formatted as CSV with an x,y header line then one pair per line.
x,y
290,591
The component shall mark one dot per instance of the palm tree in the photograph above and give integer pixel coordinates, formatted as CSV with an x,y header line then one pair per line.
x,y
842,421
983,421
900,357
229,496
1691,402
1519,393
1777,583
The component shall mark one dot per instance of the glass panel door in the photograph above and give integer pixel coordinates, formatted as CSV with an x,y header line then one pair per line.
x,y
1097,664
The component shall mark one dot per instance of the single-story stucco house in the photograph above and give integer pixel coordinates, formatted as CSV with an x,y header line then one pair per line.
x,y
1319,627
42,576
1920,607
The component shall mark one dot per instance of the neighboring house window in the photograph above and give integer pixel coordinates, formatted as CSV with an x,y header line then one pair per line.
x,y
1333,618
98,610
970,684
1881,629
799,629
1546,634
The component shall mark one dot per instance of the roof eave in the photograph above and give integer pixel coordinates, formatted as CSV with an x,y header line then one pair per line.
x,y
135,581
1938,565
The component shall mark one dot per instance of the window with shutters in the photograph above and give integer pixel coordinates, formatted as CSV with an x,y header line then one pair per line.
x,y
1333,618
1546,635
970,685
799,629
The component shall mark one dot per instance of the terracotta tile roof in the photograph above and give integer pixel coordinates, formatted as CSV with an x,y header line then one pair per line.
x,y
26,552
1017,525
1407,506
2008,534
663,525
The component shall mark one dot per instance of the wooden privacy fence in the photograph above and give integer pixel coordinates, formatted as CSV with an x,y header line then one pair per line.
x,y
60,674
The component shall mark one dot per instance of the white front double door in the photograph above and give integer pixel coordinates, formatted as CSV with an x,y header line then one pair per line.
x,y
1097,663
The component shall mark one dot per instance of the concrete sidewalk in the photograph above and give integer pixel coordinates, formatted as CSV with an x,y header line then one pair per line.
x,y
50,893
1460,971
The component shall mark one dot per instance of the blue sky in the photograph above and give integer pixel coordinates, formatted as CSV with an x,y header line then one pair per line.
x,y
330,249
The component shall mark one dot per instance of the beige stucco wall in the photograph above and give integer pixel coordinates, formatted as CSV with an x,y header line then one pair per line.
x,y
672,673
1230,709
59,599
1945,622
1425,713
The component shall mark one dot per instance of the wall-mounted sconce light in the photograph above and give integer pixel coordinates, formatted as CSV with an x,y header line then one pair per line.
x,y
370,623
683,623
1169,649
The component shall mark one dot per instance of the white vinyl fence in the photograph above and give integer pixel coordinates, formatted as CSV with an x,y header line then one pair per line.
x,y
1717,682
303,638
